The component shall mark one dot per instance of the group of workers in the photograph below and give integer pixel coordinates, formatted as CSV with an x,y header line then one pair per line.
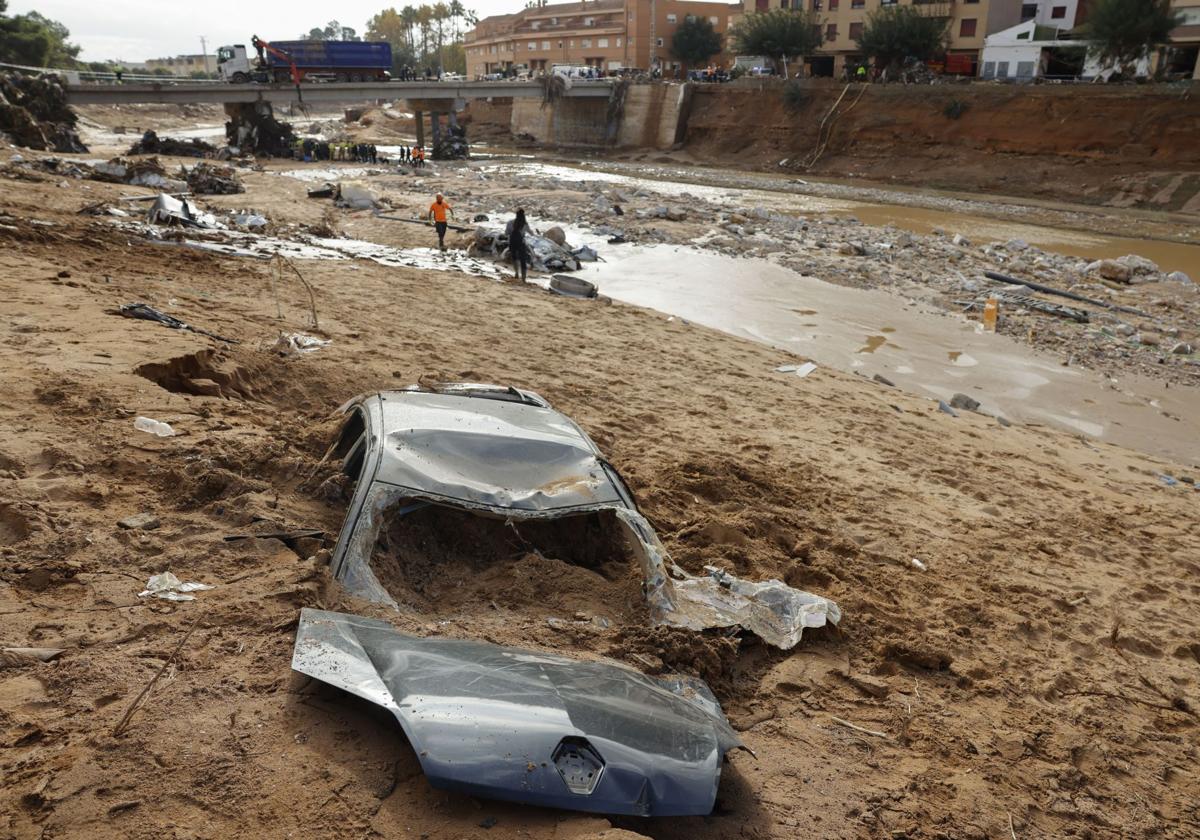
x,y
310,149
518,249
413,155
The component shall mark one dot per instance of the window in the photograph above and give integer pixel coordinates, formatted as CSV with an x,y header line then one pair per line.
x,y
536,25
545,45
618,44
714,20
560,45
816,5
970,1
1058,12
589,21
888,2
856,31
586,43
1028,12
659,43
831,32
857,4
533,45
554,21
571,43
1023,36
671,18
1001,69
601,42
989,69
966,28
1024,69
833,4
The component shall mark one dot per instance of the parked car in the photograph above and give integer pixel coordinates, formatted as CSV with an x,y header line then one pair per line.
x,y
453,77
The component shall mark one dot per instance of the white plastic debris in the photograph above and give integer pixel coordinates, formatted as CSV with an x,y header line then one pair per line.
x,y
154,427
356,195
917,564
170,588
293,344
805,369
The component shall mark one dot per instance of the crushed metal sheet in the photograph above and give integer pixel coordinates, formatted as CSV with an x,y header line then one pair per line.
x,y
503,452
526,726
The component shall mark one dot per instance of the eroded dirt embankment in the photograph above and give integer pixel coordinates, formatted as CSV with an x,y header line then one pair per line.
x,y
1125,146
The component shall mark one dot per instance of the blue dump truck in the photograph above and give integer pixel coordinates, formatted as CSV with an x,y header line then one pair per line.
x,y
301,61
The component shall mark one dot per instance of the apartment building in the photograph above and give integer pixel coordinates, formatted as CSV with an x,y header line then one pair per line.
x,y
971,21
606,34
1184,54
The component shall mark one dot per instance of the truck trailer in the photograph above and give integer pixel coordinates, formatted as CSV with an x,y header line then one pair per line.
x,y
299,61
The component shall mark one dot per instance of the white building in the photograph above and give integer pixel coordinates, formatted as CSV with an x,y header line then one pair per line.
x,y
1030,50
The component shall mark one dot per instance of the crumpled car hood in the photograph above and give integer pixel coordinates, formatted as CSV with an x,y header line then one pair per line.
x,y
530,727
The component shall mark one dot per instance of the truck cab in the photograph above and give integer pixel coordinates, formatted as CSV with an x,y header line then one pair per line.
x,y
234,65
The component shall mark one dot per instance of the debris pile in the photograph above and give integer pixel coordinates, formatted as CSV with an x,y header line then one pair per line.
x,y
143,173
35,114
545,254
452,146
210,179
252,128
152,144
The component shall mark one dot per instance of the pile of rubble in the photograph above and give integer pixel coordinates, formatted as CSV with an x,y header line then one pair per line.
x,y
252,128
210,179
452,146
34,113
152,144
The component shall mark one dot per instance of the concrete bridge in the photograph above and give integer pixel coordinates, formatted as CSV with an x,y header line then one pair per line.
x,y
317,93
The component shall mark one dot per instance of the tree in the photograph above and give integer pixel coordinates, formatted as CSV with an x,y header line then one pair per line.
x,y
34,40
780,34
332,31
893,34
695,41
1125,31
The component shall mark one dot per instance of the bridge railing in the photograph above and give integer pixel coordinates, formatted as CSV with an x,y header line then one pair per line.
x,y
79,76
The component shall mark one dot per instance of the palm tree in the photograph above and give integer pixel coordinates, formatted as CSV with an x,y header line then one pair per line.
x,y
457,12
424,18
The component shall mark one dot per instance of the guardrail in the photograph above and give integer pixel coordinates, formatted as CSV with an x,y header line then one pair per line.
x,y
75,77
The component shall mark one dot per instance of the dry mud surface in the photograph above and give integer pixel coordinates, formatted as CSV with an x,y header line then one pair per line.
x,y
1038,679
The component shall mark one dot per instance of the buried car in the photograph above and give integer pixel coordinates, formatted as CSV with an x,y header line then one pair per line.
x,y
521,725
528,726
507,455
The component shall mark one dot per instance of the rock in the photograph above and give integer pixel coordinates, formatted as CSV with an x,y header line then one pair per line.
x,y
1111,270
1125,329
1138,265
1149,339
1016,245
1183,349
871,686
1003,421
964,402
556,235
1179,277
851,249
675,215
883,380
140,522
961,241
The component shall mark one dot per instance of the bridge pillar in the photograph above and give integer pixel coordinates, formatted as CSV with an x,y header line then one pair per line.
x,y
436,122
420,118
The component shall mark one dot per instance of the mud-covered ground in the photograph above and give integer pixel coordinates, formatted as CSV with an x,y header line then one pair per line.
x,y
1038,678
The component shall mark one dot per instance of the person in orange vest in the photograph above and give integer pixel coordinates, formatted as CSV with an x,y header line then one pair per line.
x,y
437,212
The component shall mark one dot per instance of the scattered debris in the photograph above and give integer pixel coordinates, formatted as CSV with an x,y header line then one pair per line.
x,y
167,210
883,380
919,565
327,190
295,344
145,312
356,195
142,521
946,409
170,588
585,735
568,286
210,179
152,144
545,254
452,146
154,427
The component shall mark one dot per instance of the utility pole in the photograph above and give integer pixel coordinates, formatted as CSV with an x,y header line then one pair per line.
x,y
204,51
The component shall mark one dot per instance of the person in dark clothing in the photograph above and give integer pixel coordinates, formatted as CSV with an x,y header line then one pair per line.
x,y
516,245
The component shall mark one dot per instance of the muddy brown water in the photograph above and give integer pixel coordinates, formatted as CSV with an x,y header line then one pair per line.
x,y
922,349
